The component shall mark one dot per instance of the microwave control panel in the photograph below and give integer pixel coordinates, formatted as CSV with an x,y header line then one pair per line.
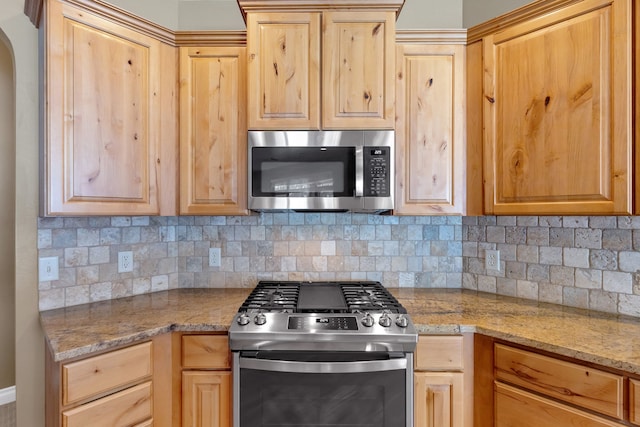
x,y
376,171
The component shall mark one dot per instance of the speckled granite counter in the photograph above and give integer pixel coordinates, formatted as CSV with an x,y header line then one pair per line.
x,y
590,336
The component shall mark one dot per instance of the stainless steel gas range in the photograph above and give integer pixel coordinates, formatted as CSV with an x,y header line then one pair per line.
x,y
314,354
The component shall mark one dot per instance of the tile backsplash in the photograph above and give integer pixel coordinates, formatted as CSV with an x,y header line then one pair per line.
x,y
172,252
580,261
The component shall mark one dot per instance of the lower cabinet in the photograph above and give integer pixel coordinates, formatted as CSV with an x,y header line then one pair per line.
x,y
113,389
443,382
519,387
206,381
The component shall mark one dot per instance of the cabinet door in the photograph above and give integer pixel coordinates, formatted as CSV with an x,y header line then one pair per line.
x,y
557,112
284,70
102,132
206,399
439,399
213,136
358,51
430,130
517,408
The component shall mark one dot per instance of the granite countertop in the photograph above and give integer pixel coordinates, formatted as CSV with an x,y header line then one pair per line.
x,y
595,337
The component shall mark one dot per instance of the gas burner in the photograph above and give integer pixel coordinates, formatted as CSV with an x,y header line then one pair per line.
x,y
272,297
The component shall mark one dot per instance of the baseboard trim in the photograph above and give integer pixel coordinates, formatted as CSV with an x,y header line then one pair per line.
x,y
7,395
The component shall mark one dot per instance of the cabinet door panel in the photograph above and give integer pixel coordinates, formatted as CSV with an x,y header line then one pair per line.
x,y
517,408
439,399
206,399
129,407
284,70
557,112
430,130
358,62
213,131
102,116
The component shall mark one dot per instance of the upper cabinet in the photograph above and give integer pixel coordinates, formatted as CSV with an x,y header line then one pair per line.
x,y
284,70
431,154
109,102
213,132
326,65
558,112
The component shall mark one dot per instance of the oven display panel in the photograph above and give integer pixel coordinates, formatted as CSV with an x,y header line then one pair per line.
x,y
342,323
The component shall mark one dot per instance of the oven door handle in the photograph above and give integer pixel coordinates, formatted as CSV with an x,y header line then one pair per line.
x,y
323,367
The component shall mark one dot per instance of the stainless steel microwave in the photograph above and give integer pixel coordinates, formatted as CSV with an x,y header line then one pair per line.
x,y
321,170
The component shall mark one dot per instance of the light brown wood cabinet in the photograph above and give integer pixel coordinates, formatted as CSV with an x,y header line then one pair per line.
x,y
110,389
284,70
206,381
108,98
443,382
520,387
558,112
213,132
317,66
430,129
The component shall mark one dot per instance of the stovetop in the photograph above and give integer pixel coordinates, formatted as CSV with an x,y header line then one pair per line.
x,y
322,316
321,297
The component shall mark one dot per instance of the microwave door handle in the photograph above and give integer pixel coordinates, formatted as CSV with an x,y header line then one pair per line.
x,y
359,171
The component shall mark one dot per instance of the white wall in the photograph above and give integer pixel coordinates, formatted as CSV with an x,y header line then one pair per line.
x,y
22,38
7,219
476,11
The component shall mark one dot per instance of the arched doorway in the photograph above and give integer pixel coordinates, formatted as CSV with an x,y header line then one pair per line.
x,y
7,227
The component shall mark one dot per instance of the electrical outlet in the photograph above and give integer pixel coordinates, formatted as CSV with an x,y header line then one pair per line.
x,y
492,260
48,269
125,262
214,257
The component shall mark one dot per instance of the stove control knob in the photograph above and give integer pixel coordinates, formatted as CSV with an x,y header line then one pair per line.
x,y
402,321
260,319
385,320
243,319
367,320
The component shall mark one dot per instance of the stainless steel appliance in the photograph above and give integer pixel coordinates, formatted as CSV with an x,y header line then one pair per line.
x,y
311,354
321,170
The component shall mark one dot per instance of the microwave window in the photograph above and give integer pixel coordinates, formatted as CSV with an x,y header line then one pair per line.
x,y
299,179
303,171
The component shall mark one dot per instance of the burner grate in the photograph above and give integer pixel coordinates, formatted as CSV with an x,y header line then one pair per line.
x,y
272,296
370,296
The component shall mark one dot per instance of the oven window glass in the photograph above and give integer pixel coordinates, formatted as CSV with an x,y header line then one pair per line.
x,y
280,399
303,171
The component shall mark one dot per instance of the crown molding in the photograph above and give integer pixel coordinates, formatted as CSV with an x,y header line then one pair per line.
x,y
516,16
315,5
442,36
211,38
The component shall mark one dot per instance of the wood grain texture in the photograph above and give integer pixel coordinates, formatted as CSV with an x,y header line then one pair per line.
x,y
283,70
206,399
474,131
557,113
213,137
483,402
430,129
439,399
93,376
102,125
634,401
128,407
357,70
206,352
439,353
517,408
586,387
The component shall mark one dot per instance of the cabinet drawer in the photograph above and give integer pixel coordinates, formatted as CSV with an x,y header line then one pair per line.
x,y
205,352
516,407
99,374
439,353
126,408
634,401
590,388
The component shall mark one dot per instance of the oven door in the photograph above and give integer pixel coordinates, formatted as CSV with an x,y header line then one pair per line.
x,y
323,389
